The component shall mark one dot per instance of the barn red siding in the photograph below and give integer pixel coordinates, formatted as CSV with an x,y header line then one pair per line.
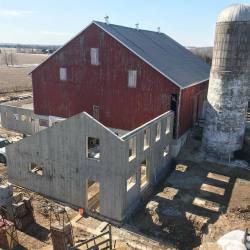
x,y
191,102
105,85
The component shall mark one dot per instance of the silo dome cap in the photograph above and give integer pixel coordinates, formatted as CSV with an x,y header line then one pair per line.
x,y
235,13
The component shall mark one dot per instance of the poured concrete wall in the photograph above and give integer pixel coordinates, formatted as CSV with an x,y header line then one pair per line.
x,y
228,90
14,117
61,152
19,116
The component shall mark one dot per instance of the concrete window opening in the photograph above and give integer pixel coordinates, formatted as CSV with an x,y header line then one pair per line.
x,y
23,118
144,174
16,116
146,138
93,194
94,56
132,149
63,74
35,169
93,148
96,112
158,131
166,151
132,78
43,123
131,181
168,125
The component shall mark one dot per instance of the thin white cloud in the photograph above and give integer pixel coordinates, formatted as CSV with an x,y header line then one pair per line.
x,y
14,13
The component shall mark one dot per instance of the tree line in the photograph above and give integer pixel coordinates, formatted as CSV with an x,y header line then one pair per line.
x,y
8,58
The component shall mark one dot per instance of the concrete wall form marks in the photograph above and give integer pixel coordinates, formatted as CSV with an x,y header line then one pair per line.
x,y
17,118
60,150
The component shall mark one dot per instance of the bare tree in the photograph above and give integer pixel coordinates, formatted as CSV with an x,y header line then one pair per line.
x,y
5,58
9,58
205,53
12,58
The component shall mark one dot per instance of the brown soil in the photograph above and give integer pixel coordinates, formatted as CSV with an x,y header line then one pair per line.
x,y
197,204
24,58
14,79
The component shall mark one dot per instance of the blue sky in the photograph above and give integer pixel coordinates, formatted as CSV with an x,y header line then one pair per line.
x,y
190,22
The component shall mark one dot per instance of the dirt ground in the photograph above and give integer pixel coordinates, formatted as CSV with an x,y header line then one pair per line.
x,y
14,79
191,209
197,204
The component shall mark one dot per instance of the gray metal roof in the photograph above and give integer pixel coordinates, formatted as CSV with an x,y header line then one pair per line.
x,y
235,13
164,54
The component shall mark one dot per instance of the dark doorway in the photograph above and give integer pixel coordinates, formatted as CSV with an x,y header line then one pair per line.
x,y
173,107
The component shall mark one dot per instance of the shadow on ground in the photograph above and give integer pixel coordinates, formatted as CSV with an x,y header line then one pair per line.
x,y
38,231
193,197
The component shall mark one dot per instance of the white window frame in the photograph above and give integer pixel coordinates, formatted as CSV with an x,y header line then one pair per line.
x,y
94,56
63,74
132,78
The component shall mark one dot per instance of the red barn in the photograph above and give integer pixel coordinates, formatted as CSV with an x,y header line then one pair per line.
x,y
123,77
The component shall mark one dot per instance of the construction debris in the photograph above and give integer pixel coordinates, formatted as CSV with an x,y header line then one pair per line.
x,y
8,234
61,229
6,192
20,211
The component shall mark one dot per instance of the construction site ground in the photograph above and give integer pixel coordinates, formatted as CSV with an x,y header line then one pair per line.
x,y
191,209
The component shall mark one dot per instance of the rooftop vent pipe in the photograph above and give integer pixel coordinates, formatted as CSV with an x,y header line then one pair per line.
x,y
106,19
137,26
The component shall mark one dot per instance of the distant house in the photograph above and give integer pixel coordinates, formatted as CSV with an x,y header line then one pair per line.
x,y
122,76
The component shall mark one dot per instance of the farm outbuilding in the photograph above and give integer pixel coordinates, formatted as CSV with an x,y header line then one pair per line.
x,y
111,108
123,77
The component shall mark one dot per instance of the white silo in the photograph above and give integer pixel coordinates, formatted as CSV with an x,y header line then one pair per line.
x,y
228,86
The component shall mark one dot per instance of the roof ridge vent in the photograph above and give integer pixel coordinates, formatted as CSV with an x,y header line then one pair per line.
x,y
137,26
106,18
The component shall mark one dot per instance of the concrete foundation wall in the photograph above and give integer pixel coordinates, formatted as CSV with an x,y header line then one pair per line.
x,y
179,143
157,163
17,118
61,152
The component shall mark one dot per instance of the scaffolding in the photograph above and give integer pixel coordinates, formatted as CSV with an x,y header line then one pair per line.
x,y
60,228
102,241
8,233
21,211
